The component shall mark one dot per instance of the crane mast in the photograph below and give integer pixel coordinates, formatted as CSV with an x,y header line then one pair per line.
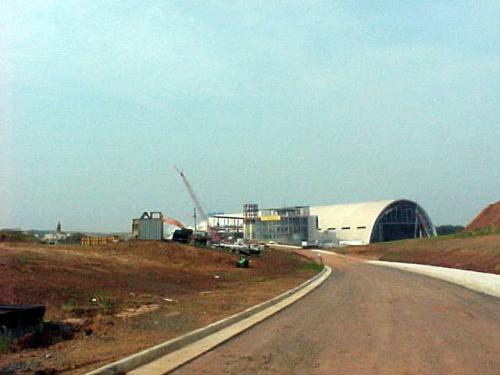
x,y
195,200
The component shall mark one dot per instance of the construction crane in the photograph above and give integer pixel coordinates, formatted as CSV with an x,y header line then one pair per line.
x,y
193,197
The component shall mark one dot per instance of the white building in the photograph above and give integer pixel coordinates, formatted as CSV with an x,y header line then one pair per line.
x,y
368,222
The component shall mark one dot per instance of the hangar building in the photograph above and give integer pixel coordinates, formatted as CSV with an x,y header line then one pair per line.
x,y
335,225
368,222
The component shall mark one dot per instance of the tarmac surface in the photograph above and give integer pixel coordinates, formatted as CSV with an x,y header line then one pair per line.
x,y
368,319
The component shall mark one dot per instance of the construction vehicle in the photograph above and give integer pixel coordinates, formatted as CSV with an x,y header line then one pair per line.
x,y
211,235
183,235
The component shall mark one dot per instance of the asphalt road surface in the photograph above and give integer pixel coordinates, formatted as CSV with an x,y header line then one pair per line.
x,y
368,320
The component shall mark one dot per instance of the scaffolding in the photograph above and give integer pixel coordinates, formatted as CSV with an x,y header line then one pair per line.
x,y
287,225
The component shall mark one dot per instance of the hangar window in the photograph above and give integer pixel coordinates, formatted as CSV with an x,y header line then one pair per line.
x,y
363,227
401,220
331,229
346,228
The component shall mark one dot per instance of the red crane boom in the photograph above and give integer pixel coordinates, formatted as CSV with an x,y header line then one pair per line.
x,y
171,221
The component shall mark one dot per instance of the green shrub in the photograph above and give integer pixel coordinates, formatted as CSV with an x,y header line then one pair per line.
x,y
314,266
478,232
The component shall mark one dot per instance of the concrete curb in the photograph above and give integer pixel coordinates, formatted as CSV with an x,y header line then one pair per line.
x,y
487,283
148,355
483,282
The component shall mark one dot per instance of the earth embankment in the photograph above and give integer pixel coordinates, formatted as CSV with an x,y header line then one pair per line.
x,y
487,218
475,253
132,295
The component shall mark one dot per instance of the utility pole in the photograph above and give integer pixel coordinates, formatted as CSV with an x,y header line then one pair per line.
x,y
194,217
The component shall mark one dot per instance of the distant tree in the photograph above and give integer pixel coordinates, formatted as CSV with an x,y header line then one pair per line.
x,y
16,236
444,230
58,229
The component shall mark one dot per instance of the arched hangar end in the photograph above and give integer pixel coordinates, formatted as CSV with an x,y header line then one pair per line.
x,y
377,221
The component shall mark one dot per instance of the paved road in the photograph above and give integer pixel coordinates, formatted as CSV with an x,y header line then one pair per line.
x,y
368,320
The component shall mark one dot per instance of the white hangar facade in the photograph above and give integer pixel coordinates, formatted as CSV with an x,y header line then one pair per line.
x,y
369,222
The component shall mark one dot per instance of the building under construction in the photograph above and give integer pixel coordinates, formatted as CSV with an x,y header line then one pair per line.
x,y
344,224
287,225
369,222
225,227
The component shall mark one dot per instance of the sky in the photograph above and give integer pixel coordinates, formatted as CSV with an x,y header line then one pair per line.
x,y
269,102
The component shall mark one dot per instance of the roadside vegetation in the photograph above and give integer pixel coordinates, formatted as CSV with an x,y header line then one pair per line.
x,y
443,230
317,267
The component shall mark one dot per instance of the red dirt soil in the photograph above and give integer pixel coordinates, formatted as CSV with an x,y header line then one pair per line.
x,y
478,253
181,288
488,218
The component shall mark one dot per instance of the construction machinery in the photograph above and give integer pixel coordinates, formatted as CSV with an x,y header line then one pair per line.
x,y
171,221
193,196
197,203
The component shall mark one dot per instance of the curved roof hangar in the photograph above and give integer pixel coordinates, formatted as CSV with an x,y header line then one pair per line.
x,y
376,221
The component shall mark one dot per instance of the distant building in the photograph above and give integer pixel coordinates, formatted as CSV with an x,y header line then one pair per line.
x,y
53,238
338,225
287,225
98,240
379,221
148,227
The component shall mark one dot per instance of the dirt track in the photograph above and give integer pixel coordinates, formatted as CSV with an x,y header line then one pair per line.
x,y
369,320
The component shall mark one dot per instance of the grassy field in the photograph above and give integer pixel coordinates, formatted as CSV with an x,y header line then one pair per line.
x,y
476,251
148,291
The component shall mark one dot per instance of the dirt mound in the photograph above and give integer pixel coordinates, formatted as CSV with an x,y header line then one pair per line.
x,y
488,218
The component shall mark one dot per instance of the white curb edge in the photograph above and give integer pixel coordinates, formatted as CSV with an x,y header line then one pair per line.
x,y
151,354
482,282
487,283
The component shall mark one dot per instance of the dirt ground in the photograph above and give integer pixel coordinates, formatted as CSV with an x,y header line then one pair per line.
x,y
487,218
133,295
479,253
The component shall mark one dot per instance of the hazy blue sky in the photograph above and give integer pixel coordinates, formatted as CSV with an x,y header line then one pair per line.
x,y
303,102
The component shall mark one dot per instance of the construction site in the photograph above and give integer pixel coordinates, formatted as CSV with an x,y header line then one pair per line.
x,y
63,304
167,278
306,226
